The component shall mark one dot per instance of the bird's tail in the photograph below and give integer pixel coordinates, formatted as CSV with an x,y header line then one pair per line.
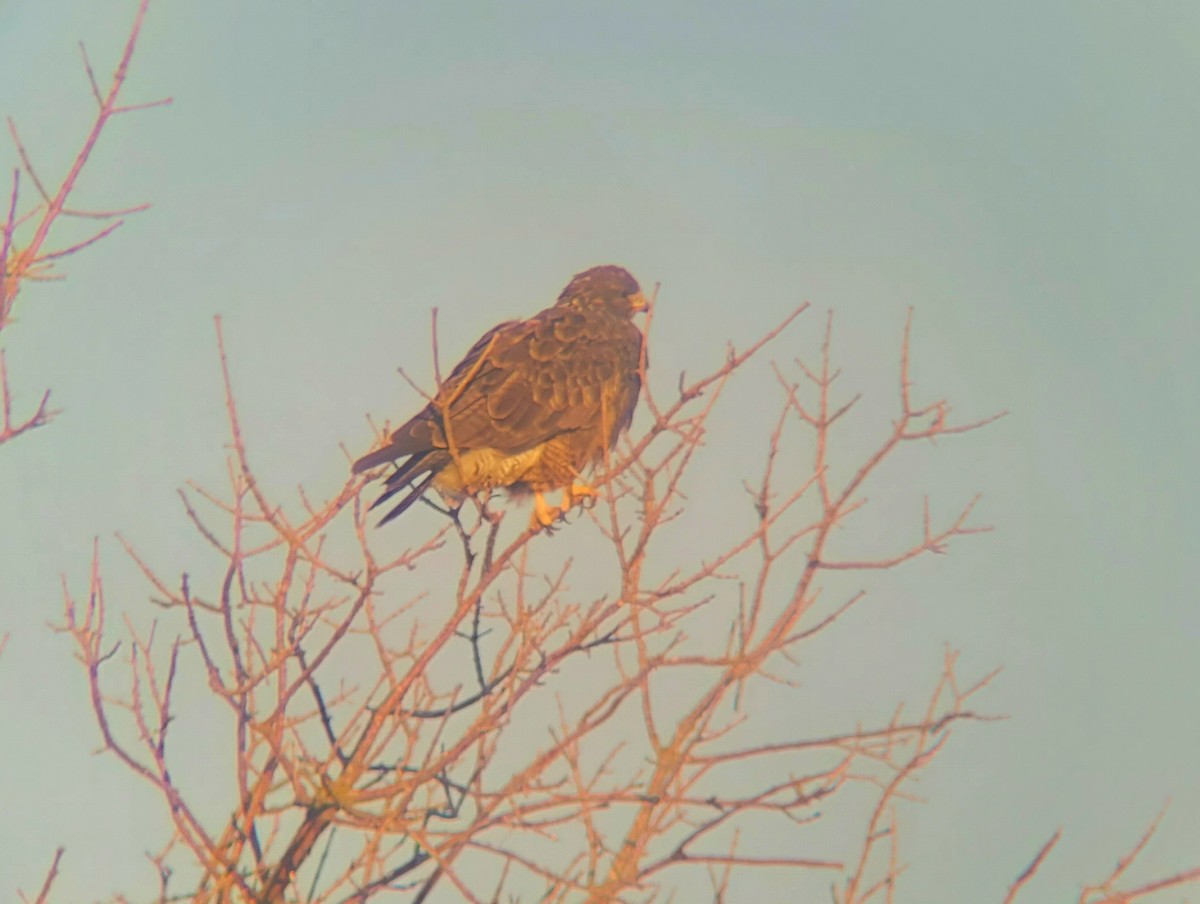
x,y
415,492
376,458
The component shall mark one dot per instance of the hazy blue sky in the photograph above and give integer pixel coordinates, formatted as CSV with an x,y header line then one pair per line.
x,y
1022,174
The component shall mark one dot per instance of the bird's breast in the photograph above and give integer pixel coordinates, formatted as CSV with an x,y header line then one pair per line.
x,y
484,469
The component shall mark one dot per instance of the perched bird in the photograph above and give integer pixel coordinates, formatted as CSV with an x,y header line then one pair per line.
x,y
533,404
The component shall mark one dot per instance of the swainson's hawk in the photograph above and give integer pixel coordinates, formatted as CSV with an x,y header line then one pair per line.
x,y
533,404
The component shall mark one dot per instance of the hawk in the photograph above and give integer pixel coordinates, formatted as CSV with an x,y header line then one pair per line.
x,y
531,407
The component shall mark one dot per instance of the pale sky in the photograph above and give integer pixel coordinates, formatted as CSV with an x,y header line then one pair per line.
x,y
1021,174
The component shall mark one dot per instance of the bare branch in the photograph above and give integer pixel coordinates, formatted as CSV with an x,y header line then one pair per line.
x,y
1034,865
51,874
30,260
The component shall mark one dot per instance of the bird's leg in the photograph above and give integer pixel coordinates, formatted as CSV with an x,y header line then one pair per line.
x,y
578,494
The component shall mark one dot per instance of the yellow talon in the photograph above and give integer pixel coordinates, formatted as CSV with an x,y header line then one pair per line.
x,y
578,494
544,515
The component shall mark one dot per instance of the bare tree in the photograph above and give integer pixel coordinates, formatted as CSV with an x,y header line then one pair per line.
x,y
477,717
25,252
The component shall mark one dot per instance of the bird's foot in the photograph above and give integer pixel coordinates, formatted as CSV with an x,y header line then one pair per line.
x,y
544,516
579,494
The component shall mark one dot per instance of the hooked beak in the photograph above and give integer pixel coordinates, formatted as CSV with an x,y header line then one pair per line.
x,y
639,302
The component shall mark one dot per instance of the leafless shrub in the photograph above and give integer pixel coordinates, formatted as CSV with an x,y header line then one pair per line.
x,y
25,252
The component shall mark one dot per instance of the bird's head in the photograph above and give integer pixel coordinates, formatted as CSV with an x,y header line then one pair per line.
x,y
612,286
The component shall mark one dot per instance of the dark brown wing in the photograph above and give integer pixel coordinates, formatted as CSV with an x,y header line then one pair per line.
x,y
573,368
421,440
525,382
423,433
